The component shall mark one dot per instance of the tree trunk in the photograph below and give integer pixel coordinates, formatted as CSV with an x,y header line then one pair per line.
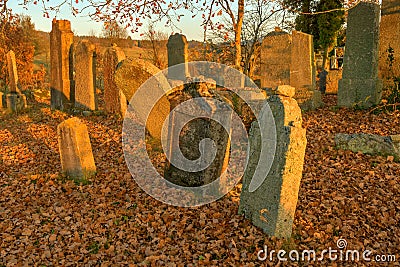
x,y
325,58
238,34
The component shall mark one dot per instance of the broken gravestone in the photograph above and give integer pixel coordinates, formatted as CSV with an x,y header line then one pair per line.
x,y
272,205
85,76
75,150
360,85
114,99
369,144
130,75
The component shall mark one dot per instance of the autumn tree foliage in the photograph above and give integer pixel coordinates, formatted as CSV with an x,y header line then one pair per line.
x,y
13,36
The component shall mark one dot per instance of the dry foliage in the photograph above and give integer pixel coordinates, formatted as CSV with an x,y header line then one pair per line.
x,y
45,220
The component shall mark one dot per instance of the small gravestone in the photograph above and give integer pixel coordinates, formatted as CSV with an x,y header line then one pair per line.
x,y
75,150
360,85
85,76
130,75
389,45
178,55
272,205
114,99
61,70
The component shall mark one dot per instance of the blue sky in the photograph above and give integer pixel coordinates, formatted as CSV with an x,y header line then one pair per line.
x,y
83,25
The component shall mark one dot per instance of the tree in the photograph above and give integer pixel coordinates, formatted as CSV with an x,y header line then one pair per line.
x,y
158,41
113,31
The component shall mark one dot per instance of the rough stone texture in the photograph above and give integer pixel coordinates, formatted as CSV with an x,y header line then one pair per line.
x,y
188,139
114,99
12,72
85,76
15,102
178,54
233,78
272,205
285,90
389,38
75,150
276,59
369,144
308,99
302,66
61,82
130,75
360,84
332,81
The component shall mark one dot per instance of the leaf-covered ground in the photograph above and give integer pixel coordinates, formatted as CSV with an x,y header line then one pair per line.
x,y
49,221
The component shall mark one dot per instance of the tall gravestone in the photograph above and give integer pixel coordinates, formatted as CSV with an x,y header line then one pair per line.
x,y
389,45
276,53
85,76
12,72
178,54
360,84
114,99
272,205
14,100
75,149
61,72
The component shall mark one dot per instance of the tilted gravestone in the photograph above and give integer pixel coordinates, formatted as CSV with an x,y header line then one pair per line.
x,y
272,205
178,54
389,45
61,72
130,75
75,150
85,76
15,101
360,84
114,99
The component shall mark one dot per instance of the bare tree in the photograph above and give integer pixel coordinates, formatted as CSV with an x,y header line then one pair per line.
x,y
158,41
113,31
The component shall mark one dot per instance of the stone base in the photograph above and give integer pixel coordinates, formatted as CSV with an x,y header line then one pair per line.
x,y
16,102
359,92
308,99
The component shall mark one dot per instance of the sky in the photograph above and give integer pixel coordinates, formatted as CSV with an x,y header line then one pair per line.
x,y
83,25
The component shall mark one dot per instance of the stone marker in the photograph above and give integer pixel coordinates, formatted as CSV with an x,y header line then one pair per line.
x,y
178,54
85,76
16,102
389,45
61,82
187,139
130,75
12,72
272,205
75,150
114,99
2,100
369,144
360,84
332,81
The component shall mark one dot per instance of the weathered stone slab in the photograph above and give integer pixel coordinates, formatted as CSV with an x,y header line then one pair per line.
x,y
360,84
61,72
369,144
272,205
233,78
332,81
75,150
85,75
16,102
130,75
389,45
178,54
12,72
114,99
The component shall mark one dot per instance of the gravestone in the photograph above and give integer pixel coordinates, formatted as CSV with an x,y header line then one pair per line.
x,y
187,139
75,150
360,84
389,45
130,75
178,54
272,205
114,99
85,76
61,71
276,55
332,81
12,72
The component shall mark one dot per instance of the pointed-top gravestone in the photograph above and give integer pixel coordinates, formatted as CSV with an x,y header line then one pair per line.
x,y
12,72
